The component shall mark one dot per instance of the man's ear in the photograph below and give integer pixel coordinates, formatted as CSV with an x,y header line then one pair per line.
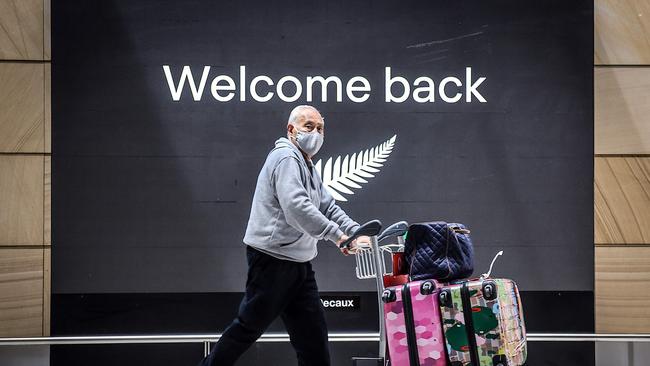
x,y
290,128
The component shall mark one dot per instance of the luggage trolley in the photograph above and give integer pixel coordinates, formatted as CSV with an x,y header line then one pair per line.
x,y
371,264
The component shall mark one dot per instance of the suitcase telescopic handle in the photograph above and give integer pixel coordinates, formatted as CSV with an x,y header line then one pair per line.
x,y
370,228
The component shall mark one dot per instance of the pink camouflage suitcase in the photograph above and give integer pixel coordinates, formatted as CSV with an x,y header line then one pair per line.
x,y
413,325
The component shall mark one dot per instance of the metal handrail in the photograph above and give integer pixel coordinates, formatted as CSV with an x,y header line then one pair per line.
x,y
207,339
283,337
166,338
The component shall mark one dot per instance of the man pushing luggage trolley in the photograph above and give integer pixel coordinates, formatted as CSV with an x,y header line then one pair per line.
x,y
291,211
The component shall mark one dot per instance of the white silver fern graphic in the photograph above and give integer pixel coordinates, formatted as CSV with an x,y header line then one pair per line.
x,y
346,174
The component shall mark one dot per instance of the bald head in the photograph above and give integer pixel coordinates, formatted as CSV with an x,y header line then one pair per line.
x,y
301,112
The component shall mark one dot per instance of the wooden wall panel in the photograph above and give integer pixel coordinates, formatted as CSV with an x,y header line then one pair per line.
x,y
22,107
21,292
622,107
25,174
47,289
47,30
621,32
21,199
622,184
21,29
622,283
47,200
622,200
48,108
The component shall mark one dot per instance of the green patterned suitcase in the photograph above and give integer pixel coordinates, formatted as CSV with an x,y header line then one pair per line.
x,y
483,323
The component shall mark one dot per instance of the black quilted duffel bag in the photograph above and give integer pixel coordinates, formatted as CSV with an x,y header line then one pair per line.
x,y
439,250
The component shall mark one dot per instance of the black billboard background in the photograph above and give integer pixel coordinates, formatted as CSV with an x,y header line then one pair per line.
x,y
152,196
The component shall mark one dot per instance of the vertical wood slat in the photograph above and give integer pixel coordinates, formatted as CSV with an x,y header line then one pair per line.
x,y
47,200
47,32
21,199
621,32
21,292
47,177
47,290
622,283
21,29
622,184
47,102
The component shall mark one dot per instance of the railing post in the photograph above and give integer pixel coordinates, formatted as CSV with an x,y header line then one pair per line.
x,y
379,272
206,348
630,354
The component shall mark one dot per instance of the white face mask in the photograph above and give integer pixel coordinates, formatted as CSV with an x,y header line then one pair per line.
x,y
309,142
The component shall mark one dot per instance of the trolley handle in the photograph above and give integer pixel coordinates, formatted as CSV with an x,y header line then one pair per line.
x,y
397,229
370,228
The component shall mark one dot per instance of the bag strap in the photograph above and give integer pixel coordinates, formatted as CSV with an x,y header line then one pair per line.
x,y
458,230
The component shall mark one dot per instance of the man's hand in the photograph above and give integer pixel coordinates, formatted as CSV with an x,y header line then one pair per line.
x,y
352,249
345,251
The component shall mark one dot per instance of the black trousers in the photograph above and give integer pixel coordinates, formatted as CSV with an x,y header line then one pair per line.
x,y
275,288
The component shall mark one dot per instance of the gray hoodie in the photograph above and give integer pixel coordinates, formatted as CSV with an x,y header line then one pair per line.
x,y
292,209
